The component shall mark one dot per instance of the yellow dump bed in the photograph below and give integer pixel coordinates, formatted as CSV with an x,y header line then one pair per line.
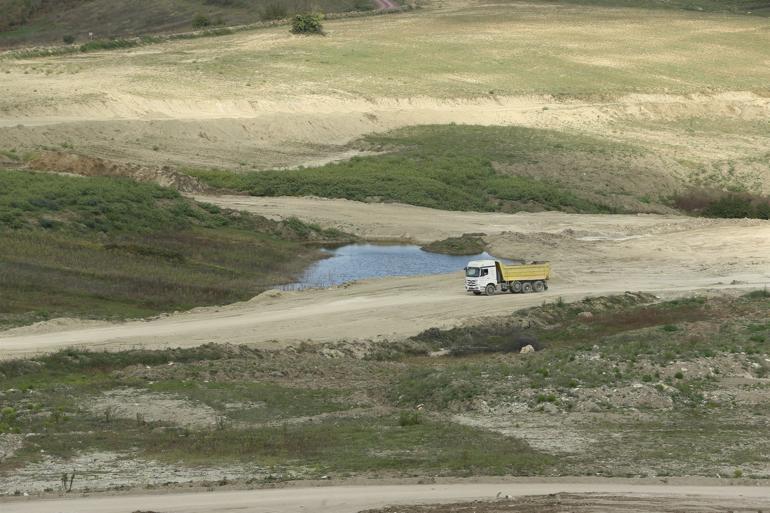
x,y
525,272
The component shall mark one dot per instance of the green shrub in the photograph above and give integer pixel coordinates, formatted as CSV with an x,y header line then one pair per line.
x,y
307,24
410,418
8,420
758,294
68,39
201,21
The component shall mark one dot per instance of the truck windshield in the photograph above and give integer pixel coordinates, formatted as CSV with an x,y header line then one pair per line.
x,y
472,272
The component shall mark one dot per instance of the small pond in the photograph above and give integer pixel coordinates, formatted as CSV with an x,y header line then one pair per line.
x,y
361,261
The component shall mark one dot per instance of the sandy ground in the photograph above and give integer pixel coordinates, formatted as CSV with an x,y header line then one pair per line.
x,y
591,255
397,222
352,499
314,130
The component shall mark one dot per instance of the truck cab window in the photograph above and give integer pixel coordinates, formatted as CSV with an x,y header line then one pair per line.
x,y
471,272
484,272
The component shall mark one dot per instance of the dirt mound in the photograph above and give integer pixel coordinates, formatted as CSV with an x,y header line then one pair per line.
x,y
165,176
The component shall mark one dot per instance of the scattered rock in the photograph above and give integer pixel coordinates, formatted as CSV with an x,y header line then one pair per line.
x,y
527,349
550,408
586,315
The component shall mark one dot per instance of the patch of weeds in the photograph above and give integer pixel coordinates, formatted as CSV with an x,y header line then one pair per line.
x,y
436,387
758,294
357,445
723,204
258,402
68,365
410,418
466,244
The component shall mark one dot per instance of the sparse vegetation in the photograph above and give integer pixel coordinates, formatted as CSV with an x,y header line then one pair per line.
x,y
723,204
274,11
448,167
295,412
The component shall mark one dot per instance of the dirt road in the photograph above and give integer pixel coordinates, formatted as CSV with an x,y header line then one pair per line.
x,y
351,499
385,4
591,254
398,222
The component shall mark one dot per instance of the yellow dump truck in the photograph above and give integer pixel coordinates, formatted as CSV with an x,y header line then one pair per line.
x,y
489,276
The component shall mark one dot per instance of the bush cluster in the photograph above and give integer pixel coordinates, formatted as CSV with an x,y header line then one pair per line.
x,y
307,24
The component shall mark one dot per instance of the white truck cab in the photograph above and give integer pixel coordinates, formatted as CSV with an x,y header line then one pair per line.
x,y
479,274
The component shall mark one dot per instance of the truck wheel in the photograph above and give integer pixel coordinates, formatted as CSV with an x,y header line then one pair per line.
x,y
515,287
539,286
490,290
526,288
476,293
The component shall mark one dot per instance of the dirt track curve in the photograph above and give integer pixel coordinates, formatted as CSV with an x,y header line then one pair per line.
x,y
591,255
351,499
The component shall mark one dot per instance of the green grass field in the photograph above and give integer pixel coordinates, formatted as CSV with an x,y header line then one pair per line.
x,y
508,169
104,247
457,167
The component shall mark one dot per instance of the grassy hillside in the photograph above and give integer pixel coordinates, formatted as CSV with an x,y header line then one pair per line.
x,y
31,22
105,247
463,167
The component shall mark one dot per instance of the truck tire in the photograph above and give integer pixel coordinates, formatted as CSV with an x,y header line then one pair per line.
x,y
539,286
515,287
527,287
490,290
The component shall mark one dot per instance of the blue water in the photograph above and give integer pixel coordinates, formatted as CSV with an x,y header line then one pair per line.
x,y
361,261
